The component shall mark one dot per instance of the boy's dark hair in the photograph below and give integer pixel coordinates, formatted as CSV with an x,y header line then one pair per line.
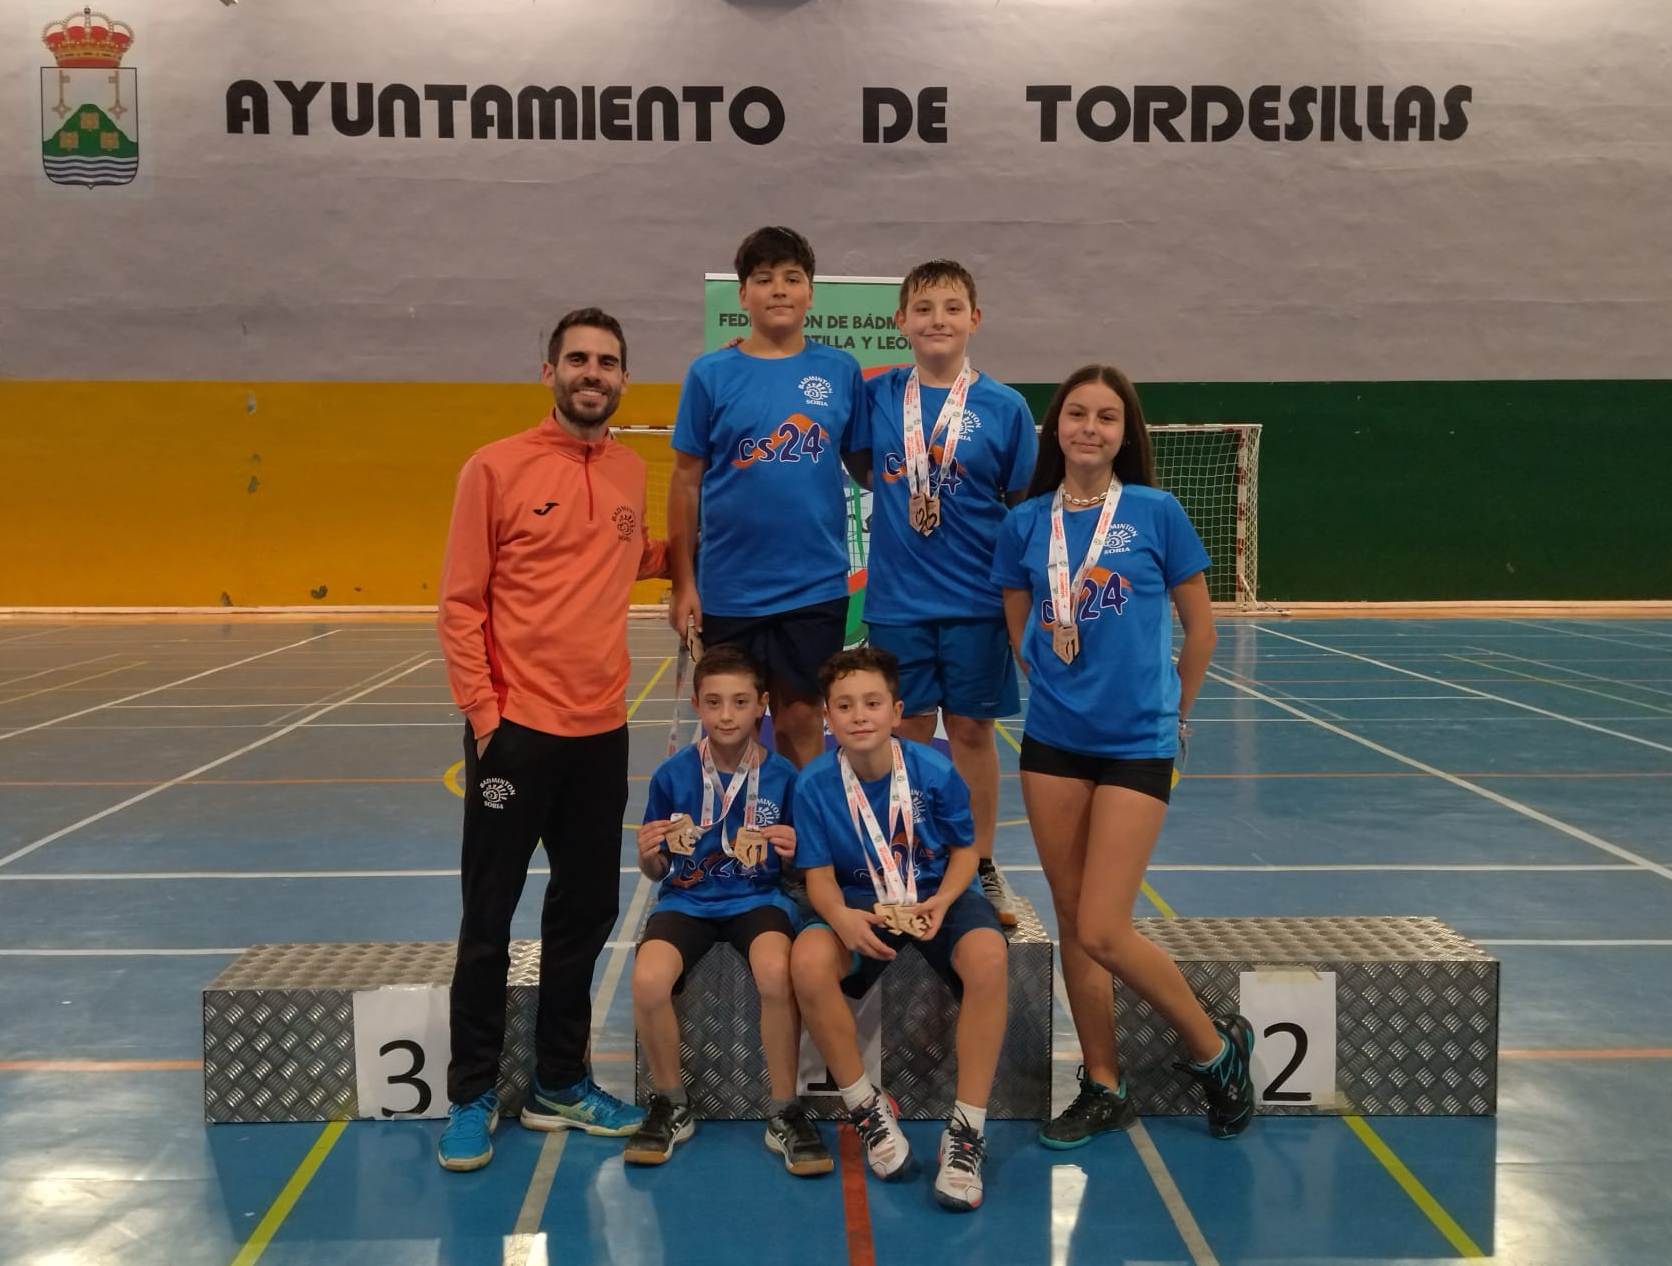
x,y
1134,460
727,659
860,659
775,244
937,272
595,317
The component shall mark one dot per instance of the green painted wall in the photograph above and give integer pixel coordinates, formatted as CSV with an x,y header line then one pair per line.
x,y
1391,491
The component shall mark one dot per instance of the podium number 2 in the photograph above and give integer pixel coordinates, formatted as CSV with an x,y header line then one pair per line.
x,y
1274,1092
409,1077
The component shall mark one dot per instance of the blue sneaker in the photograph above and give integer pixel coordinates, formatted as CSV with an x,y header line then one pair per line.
x,y
467,1142
597,1111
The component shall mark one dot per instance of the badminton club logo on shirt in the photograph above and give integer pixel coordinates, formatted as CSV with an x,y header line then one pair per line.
x,y
816,390
495,792
1119,539
626,522
767,812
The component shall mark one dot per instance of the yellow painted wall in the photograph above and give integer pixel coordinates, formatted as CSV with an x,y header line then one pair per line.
x,y
255,494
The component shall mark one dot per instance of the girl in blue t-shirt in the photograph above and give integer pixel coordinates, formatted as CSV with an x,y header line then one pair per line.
x,y
1092,564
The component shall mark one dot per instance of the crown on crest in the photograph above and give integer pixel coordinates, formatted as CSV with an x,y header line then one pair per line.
x,y
88,39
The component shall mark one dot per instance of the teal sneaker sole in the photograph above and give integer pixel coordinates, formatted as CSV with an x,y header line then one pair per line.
x,y
551,1122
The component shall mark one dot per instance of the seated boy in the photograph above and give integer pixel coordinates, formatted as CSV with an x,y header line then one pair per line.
x,y
873,892
715,833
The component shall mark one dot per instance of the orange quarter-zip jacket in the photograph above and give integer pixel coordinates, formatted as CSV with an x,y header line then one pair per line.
x,y
546,540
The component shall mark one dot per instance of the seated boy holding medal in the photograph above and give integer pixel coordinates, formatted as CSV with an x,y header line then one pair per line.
x,y
716,833
885,840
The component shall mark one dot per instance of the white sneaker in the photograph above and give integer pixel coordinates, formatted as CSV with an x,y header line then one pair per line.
x,y
886,1148
958,1185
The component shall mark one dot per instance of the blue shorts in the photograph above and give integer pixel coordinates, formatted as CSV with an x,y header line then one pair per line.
x,y
963,666
968,913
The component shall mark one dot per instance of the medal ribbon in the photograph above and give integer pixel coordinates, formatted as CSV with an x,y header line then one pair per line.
x,y
950,418
747,773
1063,592
891,888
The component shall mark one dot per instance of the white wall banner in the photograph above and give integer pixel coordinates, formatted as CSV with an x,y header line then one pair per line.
x,y
1327,189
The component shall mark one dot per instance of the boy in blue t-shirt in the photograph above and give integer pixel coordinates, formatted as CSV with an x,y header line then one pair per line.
x,y
951,449
716,832
884,838
758,448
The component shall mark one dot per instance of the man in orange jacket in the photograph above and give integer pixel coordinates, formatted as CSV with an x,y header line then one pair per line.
x,y
546,540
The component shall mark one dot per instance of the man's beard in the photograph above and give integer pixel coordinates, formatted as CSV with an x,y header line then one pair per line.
x,y
565,401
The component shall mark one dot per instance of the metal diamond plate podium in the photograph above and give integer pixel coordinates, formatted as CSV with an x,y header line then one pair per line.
x,y
1416,1011
278,1025
725,1071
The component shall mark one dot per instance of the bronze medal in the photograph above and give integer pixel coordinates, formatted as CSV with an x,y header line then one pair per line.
x,y
749,846
917,513
931,514
904,919
1065,641
683,834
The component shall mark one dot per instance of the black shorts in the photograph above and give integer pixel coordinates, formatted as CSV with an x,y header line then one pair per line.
x,y
694,937
791,646
969,913
1153,777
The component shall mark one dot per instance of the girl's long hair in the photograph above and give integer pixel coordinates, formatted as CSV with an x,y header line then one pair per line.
x,y
1134,461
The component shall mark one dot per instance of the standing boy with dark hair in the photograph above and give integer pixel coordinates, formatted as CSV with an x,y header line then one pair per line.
x,y
758,444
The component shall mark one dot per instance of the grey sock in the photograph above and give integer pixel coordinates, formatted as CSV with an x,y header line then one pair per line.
x,y
678,1098
780,1106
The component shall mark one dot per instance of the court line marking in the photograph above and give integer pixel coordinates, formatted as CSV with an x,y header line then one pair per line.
x,y
1178,1209
24,637
288,1195
1625,683
70,716
46,690
1595,637
1486,793
1440,681
100,1065
1559,1053
330,695
58,668
1564,685
271,736
1575,942
1447,1225
123,953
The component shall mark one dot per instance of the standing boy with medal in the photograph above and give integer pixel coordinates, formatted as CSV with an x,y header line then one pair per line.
x,y
1093,566
884,837
950,449
717,827
758,446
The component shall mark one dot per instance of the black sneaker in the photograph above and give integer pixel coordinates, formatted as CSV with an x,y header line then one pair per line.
x,y
1095,1110
1228,1083
665,1125
793,1136
997,892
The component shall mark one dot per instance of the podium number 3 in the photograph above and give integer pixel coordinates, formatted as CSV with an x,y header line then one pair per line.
x,y
409,1077
1274,1093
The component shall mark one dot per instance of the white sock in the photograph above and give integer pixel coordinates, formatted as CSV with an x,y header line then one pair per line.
x,y
859,1094
975,1118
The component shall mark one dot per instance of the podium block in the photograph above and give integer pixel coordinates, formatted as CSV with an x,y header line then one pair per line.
x,y
1415,1004
725,1071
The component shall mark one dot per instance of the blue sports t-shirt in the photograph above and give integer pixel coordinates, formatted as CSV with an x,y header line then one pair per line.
x,y
1120,696
944,576
708,884
825,834
774,504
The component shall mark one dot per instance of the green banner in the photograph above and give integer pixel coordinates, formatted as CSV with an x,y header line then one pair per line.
x,y
855,314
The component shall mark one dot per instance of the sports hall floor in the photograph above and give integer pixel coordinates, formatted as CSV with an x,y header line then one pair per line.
x,y
170,792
